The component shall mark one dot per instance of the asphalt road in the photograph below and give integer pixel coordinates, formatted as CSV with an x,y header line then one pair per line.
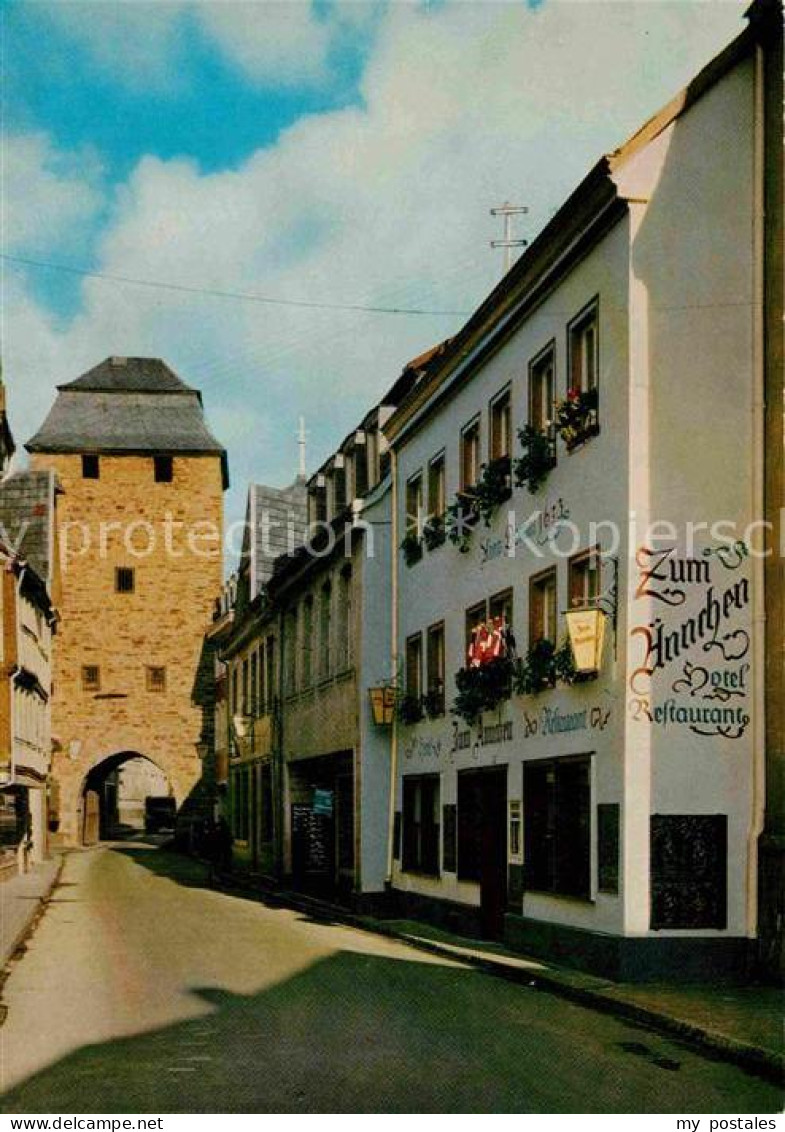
x,y
143,991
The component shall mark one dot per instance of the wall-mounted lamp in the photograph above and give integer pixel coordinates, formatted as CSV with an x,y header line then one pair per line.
x,y
382,704
586,624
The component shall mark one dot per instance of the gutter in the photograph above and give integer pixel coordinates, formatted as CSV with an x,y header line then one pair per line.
x,y
394,662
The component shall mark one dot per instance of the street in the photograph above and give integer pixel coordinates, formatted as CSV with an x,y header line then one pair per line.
x,y
143,991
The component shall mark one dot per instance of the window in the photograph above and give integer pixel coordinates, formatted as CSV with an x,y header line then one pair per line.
x,y
414,666
501,426
318,508
543,612
156,679
339,488
556,828
245,704
307,642
435,665
414,505
583,350
541,388
421,824
437,493
584,575
259,684
91,678
345,619
235,689
163,469
470,455
124,580
360,469
91,469
254,704
325,630
290,652
475,616
500,605
270,673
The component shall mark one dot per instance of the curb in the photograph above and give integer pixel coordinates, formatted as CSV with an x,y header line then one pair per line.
x,y
755,1059
29,926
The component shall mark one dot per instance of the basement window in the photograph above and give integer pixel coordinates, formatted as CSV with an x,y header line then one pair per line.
x,y
163,467
91,469
156,679
91,678
124,580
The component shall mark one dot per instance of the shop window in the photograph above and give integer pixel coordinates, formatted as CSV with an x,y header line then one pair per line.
x,y
543,607
421,824
542,389
91,468
124,580
470,455
435,667
557,833
91,678
163,469
501,426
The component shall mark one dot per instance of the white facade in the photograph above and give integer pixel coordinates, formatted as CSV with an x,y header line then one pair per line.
x,y
671,728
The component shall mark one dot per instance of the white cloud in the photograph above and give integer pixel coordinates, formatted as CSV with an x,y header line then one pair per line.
x,y
274,42
464,106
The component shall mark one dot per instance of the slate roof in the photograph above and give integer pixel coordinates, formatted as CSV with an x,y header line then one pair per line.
x,y
277,526
27,517
138,406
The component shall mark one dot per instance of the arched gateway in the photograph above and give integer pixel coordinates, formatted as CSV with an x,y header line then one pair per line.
x,y
125,793
140,547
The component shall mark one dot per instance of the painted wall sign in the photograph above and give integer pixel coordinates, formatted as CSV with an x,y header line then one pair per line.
x,y
692,670
462,739
541,528
554,721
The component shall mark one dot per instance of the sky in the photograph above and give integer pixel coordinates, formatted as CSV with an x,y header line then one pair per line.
x,y
323,152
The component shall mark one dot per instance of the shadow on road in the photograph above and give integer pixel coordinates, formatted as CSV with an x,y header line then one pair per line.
x,y
365,1034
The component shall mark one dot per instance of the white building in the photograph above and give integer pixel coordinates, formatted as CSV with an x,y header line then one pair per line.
x,y
611,821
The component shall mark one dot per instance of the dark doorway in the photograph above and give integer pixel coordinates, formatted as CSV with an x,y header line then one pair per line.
x,y
482,841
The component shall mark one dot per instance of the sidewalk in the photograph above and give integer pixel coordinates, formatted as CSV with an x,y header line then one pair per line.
x,y
21,899
741,1024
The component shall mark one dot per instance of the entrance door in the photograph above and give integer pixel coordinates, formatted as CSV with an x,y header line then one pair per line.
x,y
482,842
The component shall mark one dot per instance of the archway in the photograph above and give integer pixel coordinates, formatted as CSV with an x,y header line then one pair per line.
x,y
126,794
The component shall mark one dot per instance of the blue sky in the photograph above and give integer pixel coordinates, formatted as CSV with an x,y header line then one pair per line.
x,y
344,152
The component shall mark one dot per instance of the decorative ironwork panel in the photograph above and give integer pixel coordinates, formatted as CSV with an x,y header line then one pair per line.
x,y
450,837
608,847
689,869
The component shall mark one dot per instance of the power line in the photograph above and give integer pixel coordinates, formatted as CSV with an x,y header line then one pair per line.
x,y
245,296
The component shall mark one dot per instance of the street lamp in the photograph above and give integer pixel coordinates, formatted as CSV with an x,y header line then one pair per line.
x,y
382,704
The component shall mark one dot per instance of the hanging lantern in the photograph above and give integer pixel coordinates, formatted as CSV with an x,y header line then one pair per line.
x,y
586,629
382,704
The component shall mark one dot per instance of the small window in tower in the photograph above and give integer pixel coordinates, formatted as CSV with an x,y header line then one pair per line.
x,y
156,679
124,580
163,468
91,469
91,678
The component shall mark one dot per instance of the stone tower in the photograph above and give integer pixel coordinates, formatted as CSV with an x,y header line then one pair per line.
x,y
141,549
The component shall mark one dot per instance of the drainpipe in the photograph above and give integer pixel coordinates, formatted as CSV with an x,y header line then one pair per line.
x,y
394,663
758,439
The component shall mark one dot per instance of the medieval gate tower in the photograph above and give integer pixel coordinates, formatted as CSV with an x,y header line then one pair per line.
x,y
141,547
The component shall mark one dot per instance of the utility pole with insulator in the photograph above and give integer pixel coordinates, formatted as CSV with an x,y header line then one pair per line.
x,y
507,211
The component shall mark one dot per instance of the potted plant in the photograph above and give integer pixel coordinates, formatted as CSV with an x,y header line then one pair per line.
x,y
433,532
410,709
493,488
412,547
576,417
462,516
539,457
483,687
544,666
